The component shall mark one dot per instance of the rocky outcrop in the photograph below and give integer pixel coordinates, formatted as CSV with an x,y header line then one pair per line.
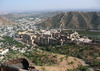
x,y
19,64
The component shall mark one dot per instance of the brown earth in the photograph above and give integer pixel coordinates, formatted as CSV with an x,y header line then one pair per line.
x,y
63,65
5,21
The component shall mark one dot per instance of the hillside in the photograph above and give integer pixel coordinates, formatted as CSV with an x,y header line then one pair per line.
x,y
74,20
64,64
5,21
89,53
45,61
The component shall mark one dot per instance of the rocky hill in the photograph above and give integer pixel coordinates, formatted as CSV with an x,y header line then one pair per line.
x,y
73,20
5,21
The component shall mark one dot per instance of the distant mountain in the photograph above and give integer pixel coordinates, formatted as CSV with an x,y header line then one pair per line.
x,y
29,14
73,20
5,21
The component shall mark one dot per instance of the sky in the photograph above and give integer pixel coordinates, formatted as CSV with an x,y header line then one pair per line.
x,y
42,5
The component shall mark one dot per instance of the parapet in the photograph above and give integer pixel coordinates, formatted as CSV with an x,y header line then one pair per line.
x,y
19,64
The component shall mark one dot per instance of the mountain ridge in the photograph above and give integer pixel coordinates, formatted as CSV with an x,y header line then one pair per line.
x,y
4,21
74,20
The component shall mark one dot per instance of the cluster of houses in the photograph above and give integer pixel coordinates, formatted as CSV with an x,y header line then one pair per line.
x,y
4,51
23,24
5,48
51,37
45,38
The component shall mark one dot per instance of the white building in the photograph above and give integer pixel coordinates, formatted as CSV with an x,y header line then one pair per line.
x,y
1,57
3,51
74,36
85,40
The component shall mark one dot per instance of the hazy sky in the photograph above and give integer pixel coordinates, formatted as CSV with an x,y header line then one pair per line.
x,y
36,5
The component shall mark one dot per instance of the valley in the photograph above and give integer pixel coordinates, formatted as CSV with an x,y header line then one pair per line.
x,y
56,41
